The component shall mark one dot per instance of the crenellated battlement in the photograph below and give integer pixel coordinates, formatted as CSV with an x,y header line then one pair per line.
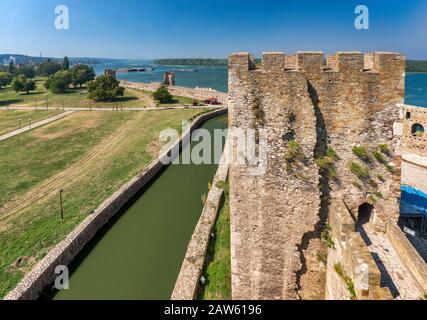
x,y
315,62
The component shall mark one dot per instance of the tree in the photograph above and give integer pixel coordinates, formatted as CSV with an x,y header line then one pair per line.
x,y
5,79
82,74
48,68
105,88
26,70
162,94
22,84
59,82
11,68
66,64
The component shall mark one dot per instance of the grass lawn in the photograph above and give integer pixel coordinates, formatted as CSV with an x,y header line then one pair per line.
x,y
177,100
217,271
74,98
28,235
9,119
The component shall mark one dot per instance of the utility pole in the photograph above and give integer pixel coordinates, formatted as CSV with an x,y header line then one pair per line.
x,y
19,123
60,202
29,123
47,104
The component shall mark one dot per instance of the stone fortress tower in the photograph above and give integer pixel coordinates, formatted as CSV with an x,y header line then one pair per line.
x,y
334,130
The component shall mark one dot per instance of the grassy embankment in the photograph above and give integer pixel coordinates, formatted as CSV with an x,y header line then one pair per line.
x,y
89,155
217,271
9,119
74,98
77,98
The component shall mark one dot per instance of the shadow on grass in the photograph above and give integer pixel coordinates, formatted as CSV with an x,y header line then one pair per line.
x,y
9,102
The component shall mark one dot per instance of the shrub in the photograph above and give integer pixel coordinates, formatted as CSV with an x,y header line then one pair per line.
x,y
162,95
361,153
379,156
391,168
359,170
381,178
347,280
326,236
356,184
384,149
294,152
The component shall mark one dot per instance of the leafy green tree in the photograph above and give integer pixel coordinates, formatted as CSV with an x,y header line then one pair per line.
x,y
66,64
48,68
59,82
26,70
11,68
82,74
105,88
162,95
22,84
5,79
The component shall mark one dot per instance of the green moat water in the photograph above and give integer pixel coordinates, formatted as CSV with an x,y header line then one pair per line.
x,y
138,254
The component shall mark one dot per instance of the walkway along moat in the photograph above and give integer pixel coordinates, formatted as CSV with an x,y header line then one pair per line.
x,y
138,254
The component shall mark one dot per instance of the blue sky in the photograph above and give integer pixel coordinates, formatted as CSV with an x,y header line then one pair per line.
x,y
210,28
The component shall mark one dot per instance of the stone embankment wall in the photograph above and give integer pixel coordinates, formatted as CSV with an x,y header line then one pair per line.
x,y
355,259
414,148
43,273
414,263
187,283
346,100
194,93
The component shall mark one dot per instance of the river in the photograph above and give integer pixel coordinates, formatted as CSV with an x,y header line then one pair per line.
x,y
138,254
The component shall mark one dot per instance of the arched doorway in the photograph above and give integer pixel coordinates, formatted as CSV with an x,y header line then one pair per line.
x,y
417,129
365,214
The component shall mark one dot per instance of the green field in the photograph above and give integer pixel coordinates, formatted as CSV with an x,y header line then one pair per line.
x,y
217,271
176,100
63,153
74,98
9,119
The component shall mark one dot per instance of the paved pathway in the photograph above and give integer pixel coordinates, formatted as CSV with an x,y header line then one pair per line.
x,y
393,273
35,125
124,109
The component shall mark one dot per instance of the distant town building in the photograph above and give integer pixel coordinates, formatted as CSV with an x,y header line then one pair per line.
x,y
169,79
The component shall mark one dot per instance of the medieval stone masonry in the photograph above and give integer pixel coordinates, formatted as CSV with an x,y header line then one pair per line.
x,y
333,127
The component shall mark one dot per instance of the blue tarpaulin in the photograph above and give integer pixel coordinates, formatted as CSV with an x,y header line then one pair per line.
x,y
413,201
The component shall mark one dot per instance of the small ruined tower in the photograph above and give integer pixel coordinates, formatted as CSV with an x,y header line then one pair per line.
x,y
169,79
315,112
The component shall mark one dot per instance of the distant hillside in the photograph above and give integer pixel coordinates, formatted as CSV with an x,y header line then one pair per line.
x,y
193,62
411,66
416,66
23,59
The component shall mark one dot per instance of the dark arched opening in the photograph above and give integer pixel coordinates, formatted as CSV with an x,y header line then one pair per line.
x,y
364,214
417,129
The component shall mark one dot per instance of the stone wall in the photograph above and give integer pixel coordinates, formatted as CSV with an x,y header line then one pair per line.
x,y
414,263
346,100
272,212
187,283
43,273
194,93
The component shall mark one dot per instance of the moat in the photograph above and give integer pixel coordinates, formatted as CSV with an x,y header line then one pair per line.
x,y
139,253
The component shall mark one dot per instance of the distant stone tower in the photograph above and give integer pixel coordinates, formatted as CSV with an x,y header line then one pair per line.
x,y
311,107
169,79
110,72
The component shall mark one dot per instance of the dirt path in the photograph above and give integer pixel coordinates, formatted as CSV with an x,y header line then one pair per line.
x,y
35,125
66,177
144,97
